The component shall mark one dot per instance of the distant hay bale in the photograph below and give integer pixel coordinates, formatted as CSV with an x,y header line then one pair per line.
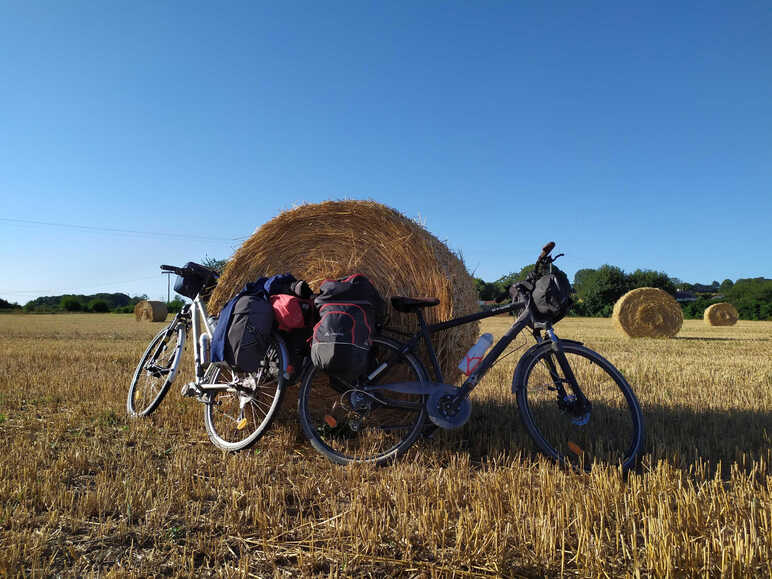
x,y
147,311
648,312
337,238
722,314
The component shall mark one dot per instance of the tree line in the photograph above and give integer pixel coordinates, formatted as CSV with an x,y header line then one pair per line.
x,y
596,290
119,303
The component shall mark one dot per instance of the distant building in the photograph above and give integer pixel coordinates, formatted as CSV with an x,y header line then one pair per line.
x,y
704,289
685,296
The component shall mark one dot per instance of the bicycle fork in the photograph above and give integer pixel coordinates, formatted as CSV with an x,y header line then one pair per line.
x,y
576,403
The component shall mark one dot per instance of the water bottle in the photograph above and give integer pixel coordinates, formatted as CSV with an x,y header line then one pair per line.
x,y
475,354
204,349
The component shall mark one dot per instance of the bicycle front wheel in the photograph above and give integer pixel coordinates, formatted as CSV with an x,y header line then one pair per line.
x,y
155,372
239,414
349,423
607,427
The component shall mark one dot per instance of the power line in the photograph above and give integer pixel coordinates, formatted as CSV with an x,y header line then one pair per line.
x,y
78,291
122,231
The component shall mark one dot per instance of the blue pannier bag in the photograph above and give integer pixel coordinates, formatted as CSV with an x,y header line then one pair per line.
x,y
244,328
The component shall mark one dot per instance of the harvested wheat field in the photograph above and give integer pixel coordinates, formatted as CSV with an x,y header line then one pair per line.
x,y
83,489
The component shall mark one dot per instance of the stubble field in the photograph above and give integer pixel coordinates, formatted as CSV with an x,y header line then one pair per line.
x,y
83,489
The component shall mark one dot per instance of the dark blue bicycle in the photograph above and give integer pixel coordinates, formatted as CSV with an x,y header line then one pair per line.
x,y
575,404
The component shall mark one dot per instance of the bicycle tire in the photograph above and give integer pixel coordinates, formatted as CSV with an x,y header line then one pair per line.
x,y
236,418
145,393
611,431
364,432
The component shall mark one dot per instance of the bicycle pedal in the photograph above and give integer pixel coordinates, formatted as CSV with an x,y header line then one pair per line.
x,y
190,390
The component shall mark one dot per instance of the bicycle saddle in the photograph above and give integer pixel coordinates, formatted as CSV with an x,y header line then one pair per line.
x,y
407,305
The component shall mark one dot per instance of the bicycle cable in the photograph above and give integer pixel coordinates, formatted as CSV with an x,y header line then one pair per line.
x,y
515,349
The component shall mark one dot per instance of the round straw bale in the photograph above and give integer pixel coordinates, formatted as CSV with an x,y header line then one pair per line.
x,y
147,311
722,314
648,312
329,240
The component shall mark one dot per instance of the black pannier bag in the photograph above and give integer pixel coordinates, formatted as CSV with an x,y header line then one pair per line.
x,y
192,284
249,332
551,295
349,310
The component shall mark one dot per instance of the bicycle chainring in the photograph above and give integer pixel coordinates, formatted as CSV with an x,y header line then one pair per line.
x,y
446,409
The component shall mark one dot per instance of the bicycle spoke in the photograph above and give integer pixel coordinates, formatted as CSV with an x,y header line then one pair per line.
x,y
236,418
594,424
349,424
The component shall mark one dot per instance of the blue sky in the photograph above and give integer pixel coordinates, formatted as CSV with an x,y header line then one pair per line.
x,y
635,134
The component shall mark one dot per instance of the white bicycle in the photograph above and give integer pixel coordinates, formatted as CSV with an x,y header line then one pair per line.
x,y
238,406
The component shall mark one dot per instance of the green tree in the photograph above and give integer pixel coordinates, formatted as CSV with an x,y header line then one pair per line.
x,y
217,265
98,306
71,304
506,281
651,278
5,305
726,286
752,298
583,277
486,290
598,291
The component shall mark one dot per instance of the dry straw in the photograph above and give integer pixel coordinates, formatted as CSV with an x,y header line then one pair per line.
x,y
648,312
337,238
146,311
722,314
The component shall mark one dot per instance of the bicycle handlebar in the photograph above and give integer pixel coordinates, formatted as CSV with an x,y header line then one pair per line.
x,y
545,251
174,269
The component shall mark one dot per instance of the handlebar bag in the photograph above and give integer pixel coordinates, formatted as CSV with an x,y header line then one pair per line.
x,y
551,297
191,284
349,309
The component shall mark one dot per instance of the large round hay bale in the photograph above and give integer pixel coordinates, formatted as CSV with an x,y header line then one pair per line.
x,y
147,311
648,312
337,238
722,314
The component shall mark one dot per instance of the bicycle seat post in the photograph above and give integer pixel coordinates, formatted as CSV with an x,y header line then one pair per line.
x,y
427,336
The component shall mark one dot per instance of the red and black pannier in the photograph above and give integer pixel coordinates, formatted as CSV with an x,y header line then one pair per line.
x,y
349,310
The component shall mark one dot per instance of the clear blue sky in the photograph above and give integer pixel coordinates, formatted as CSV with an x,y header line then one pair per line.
x,y
635,134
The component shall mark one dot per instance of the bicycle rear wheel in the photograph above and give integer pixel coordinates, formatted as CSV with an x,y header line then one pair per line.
x,y
155,371
348,424
607,430
239,414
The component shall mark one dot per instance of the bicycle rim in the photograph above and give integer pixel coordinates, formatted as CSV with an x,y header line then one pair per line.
x,y
610,431
236,417
347,424
154,374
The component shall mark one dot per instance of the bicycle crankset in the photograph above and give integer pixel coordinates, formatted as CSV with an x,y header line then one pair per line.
x,y
446,409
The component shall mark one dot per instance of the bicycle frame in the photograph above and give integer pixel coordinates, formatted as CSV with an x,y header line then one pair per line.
x,y
425,332
525,319
191,315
